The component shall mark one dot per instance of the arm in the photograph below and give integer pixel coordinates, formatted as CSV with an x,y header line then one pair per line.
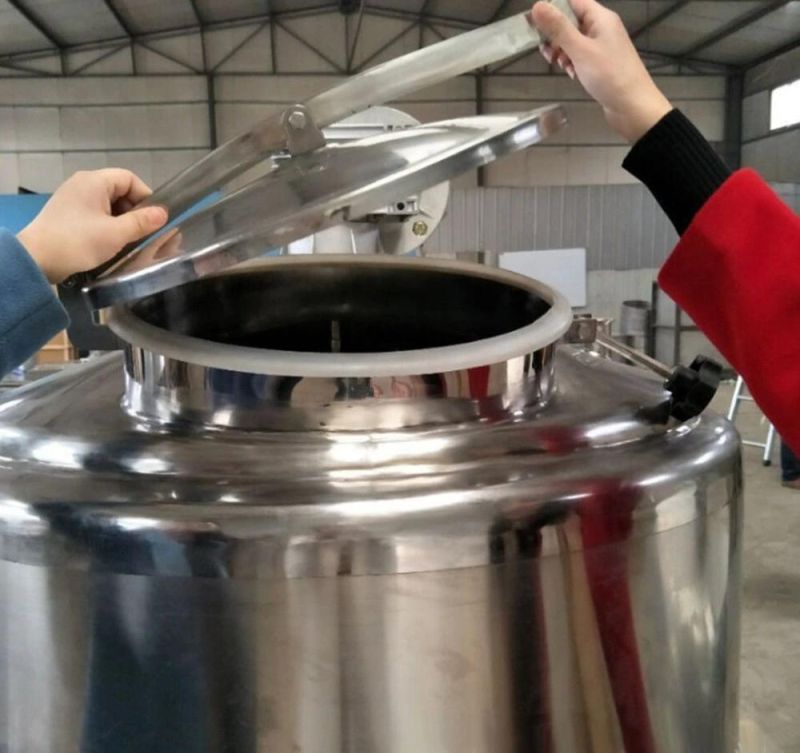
x,y
736,270
669,155
87,220
30,313
679,167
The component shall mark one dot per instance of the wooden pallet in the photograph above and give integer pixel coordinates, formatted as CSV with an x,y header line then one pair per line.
x,y
58,350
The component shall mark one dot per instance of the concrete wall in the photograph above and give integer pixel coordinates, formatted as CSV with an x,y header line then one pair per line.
x,y
158,121
624,231
621,226
156,125
49,128
776,155
790,193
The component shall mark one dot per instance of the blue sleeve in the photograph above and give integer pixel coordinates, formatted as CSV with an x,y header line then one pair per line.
x,y
30,312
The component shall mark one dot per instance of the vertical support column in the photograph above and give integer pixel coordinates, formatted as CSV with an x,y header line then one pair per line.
x,y
273,53
480,107
212,110
734,94
203,51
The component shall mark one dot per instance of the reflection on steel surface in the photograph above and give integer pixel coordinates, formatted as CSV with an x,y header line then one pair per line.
x,y
523,559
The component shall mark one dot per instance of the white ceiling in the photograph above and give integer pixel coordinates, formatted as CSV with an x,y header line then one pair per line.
x,y
730,32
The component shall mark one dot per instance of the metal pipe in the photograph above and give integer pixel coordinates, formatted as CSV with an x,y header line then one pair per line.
x,y
639,358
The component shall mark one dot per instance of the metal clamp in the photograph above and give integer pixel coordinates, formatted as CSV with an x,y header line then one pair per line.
x,y
692,388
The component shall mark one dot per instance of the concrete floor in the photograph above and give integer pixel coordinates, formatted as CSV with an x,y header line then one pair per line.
x,y
770,674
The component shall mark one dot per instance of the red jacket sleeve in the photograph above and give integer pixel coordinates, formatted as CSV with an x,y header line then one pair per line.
x,y
736,272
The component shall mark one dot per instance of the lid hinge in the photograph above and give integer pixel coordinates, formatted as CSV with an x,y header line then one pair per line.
x,y
302,134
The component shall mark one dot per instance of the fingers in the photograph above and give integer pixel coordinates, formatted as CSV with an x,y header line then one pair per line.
x,y
562,60
557,28
564,41
121,183
583,8
138,223
559,58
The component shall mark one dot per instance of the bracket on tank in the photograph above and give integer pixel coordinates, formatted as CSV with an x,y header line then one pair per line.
x,y
692,388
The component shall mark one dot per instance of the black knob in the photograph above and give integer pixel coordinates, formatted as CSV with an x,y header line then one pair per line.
x,y
77,280
693,387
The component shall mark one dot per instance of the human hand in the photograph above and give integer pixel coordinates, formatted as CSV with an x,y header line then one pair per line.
x,y
603,58
88,220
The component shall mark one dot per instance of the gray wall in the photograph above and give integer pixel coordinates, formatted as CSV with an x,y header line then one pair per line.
x,y
51,127
775,155
157,122
625,233
621,227
790,193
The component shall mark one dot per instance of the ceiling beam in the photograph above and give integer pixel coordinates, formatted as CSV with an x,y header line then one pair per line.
x,y
98,59
25,69
198,15
662,59
500,11
169,33
119,18
423,24
396,38
680,60
733,27
238,46
332,63
407,15
170,58
39,24
204,62
793,44
434,30
511,61
351,53
659,18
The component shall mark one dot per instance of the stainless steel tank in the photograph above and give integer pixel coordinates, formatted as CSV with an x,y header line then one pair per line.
x,y
489,544
362,504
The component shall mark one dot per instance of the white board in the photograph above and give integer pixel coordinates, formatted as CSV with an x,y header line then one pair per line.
x,y
563,269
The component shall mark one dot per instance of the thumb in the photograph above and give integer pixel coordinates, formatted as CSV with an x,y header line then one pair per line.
x,y
137,223
556,27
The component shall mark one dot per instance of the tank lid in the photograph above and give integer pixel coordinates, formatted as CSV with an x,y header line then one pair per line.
x,y
296,130
313,191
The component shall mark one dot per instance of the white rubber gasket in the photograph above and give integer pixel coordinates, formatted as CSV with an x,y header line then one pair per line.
x,y
539,334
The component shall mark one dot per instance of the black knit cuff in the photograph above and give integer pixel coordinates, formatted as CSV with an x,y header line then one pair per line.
x,y
679,166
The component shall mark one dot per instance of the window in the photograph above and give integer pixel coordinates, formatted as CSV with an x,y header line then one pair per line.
x,y
785,106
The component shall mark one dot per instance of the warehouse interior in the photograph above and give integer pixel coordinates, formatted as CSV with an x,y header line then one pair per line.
x,y
154,87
